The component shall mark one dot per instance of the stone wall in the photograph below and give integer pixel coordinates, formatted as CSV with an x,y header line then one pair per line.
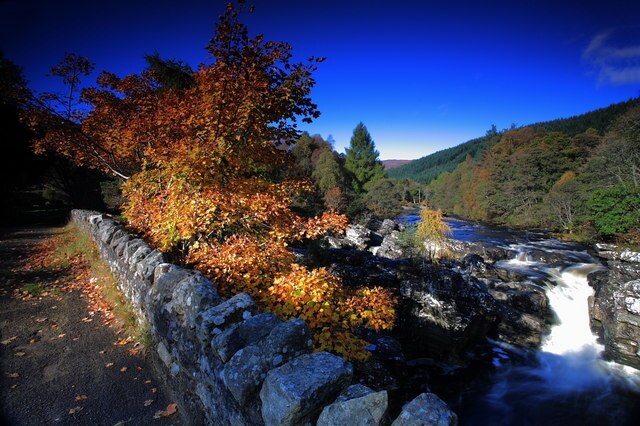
x,y
230,364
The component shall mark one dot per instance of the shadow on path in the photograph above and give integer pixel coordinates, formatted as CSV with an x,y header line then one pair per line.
x,y
58,364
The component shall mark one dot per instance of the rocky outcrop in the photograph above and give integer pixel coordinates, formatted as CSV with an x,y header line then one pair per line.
x,y
615,306
380,238
444,314
457,249
524,312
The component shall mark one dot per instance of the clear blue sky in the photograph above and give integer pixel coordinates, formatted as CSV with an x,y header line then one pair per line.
x,y
421,75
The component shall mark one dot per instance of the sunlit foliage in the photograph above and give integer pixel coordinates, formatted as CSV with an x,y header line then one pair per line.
x,y
210,181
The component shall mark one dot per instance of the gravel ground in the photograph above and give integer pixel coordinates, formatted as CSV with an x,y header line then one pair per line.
x,y
59,365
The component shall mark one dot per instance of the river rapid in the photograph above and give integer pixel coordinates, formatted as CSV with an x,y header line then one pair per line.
x,y
566,381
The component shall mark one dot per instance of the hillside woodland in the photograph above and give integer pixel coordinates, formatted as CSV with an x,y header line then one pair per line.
x,y
585,183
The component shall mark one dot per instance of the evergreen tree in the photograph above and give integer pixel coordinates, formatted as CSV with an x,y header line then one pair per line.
x,y
170,73
362,160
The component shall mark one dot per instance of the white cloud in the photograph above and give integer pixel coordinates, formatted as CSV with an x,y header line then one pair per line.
x,y
615,57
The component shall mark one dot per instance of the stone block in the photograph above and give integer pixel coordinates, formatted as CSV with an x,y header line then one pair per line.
x,y
192,295
218,318
146,267
297,390
243,334
246,370
166,277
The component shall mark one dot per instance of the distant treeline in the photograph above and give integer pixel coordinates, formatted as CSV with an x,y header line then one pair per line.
x,y
428,168
566,175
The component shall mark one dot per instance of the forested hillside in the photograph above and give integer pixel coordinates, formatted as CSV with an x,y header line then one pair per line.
x,y
548,175
428,168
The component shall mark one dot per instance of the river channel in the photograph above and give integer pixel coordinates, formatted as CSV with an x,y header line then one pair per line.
x,y
564,382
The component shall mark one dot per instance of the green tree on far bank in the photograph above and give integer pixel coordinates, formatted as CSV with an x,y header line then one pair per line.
x,y
362,160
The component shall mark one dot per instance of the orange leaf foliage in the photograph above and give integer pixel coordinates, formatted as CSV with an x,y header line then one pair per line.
x,y
211,182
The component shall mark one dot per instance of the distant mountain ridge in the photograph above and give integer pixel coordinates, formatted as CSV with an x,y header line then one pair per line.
x,y
392,164
428,168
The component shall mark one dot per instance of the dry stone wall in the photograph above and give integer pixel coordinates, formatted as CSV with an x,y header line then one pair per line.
x,y
228,363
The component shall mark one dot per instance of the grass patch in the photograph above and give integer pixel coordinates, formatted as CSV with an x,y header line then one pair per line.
x,y
74,242
34,289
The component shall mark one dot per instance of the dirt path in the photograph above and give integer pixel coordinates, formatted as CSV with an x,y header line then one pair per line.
x,y
58,364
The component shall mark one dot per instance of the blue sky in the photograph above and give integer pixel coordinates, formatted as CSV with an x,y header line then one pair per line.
x,y
421,75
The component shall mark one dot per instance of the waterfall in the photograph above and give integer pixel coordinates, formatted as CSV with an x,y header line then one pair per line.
x,y
567,379
569,357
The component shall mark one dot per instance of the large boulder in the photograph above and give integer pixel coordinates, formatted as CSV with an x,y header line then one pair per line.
x,y
426,410
391,247
524,312
443,314
356,405
358,236
295,392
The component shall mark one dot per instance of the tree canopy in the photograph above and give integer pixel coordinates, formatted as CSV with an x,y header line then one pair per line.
x,y
362,160
209,181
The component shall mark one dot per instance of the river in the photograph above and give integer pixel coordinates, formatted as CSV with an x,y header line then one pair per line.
x,y
566,381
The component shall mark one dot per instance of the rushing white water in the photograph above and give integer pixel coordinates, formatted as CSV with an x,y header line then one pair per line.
x,y
568,367
569,358
566,381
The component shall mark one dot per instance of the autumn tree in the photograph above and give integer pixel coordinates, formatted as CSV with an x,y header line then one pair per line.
x,y
330,178
431,232
208,182
384,199
563,199
362,160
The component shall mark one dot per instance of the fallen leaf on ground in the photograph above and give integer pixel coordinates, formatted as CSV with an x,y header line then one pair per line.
x,y
101,352
9,340
122,342
41,319
20,354
60,336
154,390
81,397
135,352
148,402
109,364
147,381
75,410
13,375
123,369
170,410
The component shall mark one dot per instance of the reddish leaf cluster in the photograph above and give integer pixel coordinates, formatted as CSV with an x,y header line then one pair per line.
x,y
209,177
